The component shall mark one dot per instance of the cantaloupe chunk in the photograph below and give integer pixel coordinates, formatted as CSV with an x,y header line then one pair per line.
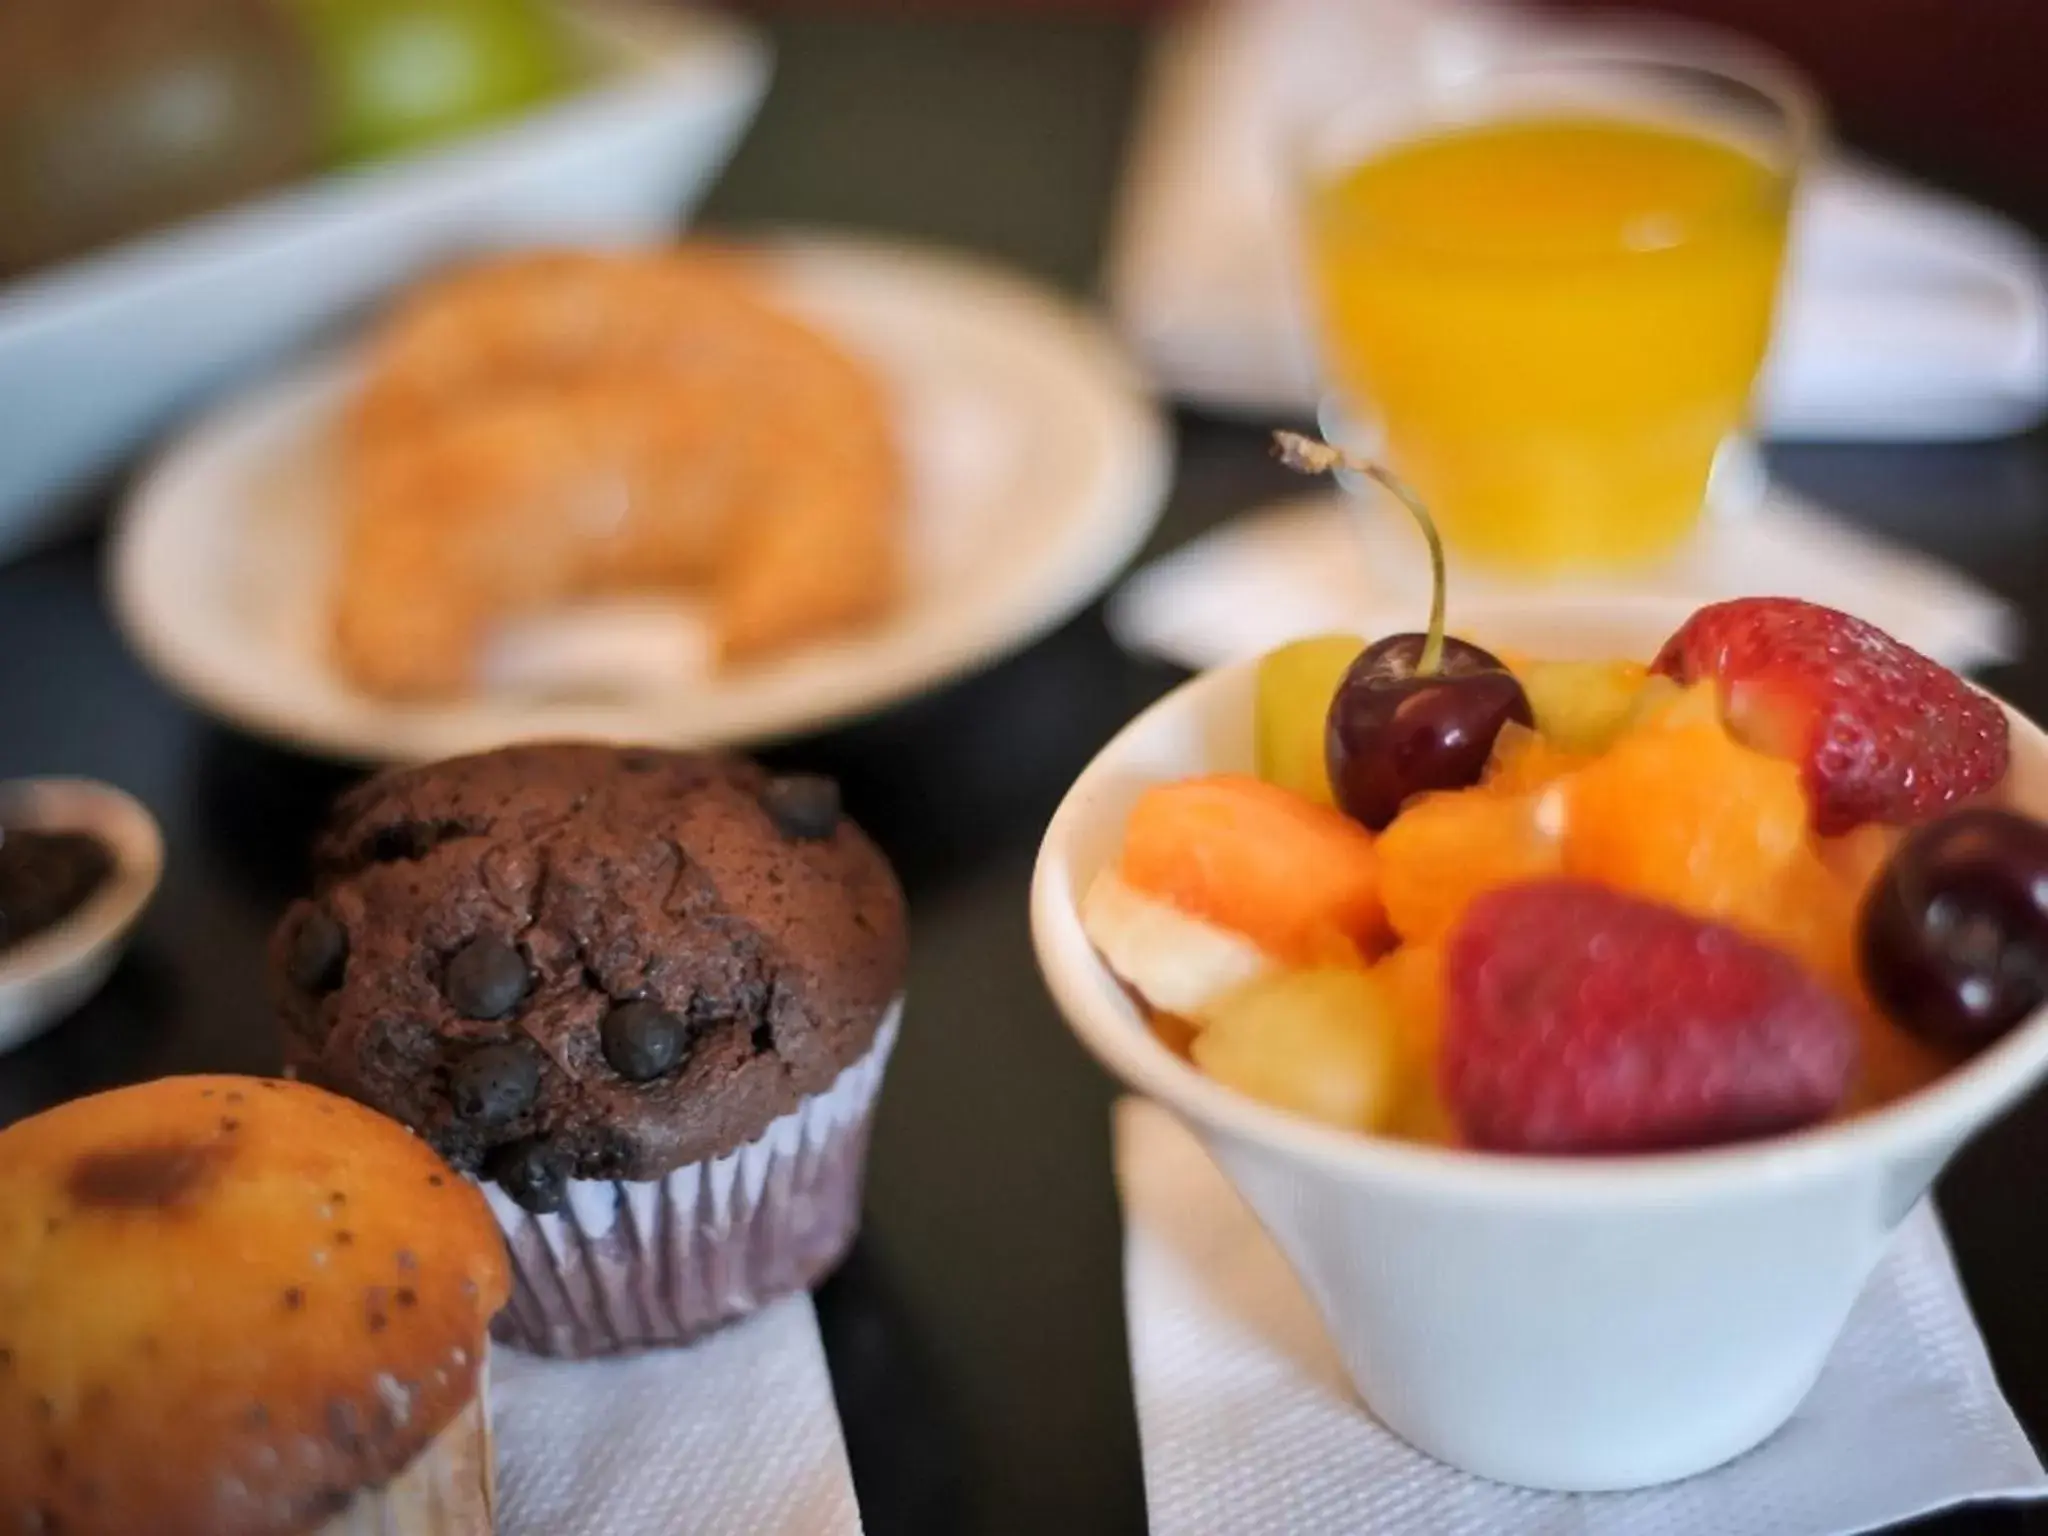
x,y
1300,880
1411,980
1445,849
1524,761
1681,812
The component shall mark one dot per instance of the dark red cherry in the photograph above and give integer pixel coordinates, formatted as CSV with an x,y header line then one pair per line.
x,y
1953,936
1394,732
1395,659
1414,712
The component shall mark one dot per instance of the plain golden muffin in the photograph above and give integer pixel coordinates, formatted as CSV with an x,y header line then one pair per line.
x,y
227,1306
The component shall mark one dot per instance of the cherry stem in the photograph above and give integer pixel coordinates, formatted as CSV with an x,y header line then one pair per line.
x,y
1312,456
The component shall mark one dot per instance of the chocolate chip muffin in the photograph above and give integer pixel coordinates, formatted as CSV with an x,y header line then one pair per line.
x,y
645,996
233,1306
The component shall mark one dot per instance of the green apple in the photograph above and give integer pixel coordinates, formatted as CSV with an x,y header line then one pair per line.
x,y
398,74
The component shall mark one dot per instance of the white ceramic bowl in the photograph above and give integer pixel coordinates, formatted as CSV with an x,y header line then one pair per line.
x,y
97,354
49,974
1555,1323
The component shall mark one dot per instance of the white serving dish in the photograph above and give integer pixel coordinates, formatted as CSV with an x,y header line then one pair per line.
x,y
1577,1324
98,354
46,976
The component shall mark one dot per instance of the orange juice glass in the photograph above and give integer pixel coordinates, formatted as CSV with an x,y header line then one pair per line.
x,y
1549,285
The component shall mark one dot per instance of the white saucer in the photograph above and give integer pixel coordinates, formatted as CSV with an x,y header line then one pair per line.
x,y
1037,465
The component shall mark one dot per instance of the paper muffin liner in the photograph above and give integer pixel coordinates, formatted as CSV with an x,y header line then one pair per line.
x,y
633,1264
449,1489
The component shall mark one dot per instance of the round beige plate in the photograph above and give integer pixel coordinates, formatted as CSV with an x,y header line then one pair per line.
x,y
1037,467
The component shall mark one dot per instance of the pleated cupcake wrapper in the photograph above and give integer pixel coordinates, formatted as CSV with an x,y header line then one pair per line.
x,y
449,1489
632,1264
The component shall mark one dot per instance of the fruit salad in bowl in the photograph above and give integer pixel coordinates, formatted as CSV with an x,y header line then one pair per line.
x,y
1579,1029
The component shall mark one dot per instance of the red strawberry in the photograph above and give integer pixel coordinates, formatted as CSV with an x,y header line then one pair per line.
x,y
1580,1019
1881,732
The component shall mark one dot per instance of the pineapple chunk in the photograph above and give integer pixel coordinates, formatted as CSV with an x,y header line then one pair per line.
x,y
1322,1043
1291,708
1581,706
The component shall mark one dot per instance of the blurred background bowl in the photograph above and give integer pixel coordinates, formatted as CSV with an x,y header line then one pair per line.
x,y
99,352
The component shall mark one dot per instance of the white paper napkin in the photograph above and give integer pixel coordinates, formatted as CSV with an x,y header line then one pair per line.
x,y
1250,1427
1906,314
735,1436
1330,562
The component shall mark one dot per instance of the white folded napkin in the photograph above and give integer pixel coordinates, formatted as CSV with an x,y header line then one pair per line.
x,y
735,1436
1329,562
1906,314
1250,1426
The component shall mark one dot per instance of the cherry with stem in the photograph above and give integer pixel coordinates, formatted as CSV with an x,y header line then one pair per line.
x,y
1414,713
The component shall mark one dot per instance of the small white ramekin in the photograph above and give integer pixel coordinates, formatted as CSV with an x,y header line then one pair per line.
x,y
48,975
1558,1323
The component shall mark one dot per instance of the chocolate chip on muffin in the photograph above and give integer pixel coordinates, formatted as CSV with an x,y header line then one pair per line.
x,y
532,1172
495,1084
570,962
642,1040
802,805
486,978
316,955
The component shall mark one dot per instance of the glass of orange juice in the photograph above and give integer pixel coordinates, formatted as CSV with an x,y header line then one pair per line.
x,y
1548,284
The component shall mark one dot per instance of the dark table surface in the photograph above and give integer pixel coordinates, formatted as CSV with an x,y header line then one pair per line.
x,y
976,1335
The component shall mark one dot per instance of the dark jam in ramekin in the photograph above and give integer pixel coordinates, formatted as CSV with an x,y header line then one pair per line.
x,y
45,877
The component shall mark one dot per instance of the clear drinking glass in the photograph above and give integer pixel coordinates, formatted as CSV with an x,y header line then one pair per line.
x,y
1548,284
